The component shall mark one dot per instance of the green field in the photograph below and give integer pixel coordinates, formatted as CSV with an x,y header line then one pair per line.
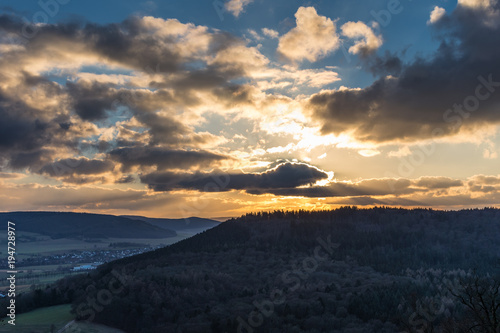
x,y
39,276
40,320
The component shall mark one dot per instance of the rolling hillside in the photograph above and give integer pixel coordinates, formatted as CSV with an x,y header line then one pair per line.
x,y
177,224
83,225
347,270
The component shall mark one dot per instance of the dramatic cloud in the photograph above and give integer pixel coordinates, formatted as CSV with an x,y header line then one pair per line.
x,y
367,187
143,112
314,37
148,44
371,187
387,64
369,41
157,99
284,176
18,128
29,136
458,88
164,158
289,180
488,10
91,100
76,166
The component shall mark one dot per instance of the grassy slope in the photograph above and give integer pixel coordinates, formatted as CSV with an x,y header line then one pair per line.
x,y
40,320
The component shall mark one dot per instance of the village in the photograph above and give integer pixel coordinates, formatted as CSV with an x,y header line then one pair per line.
x,y
77,258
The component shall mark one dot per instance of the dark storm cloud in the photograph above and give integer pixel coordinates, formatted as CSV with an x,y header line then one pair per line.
x,y
388,64
76,166
132,42
121,42
10,23
32,160
19,126
418,100
25,135
288,179
341,189
115,42
143,44
91,101
372,187
164,158
135,43
287,176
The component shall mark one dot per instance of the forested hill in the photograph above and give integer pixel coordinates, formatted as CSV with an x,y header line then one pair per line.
x,y
358,270
386,238
83,225
177,224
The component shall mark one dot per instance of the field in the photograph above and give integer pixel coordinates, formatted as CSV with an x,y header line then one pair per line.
x,y
41,321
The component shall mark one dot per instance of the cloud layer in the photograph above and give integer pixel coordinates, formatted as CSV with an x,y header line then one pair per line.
x,y
151,112
284,176
456,89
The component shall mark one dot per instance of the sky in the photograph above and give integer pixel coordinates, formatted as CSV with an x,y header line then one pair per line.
x,y
219,108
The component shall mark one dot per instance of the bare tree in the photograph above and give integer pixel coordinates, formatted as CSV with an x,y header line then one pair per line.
x,y
480,295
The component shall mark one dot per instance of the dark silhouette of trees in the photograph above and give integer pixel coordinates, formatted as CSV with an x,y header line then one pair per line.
x,y
480,296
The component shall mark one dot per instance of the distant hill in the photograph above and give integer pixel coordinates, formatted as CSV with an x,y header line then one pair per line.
x,y
83,225
346,270
177,224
